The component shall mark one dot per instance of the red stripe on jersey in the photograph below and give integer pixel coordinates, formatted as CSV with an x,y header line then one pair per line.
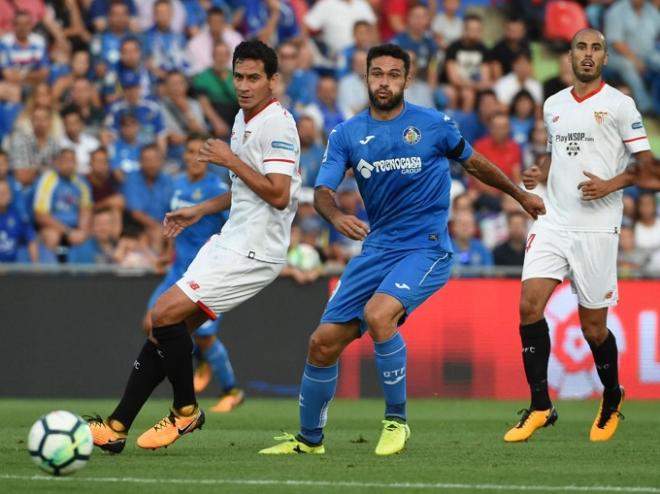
x,y
580,99
634,139
206,310
281,160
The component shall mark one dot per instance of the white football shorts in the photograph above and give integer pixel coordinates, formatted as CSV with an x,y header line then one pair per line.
x,y
588,259
219,279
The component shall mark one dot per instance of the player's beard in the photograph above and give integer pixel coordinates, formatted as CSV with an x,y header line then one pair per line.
x,y
393,101
582,77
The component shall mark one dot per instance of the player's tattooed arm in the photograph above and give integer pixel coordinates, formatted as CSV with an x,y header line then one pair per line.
x,y
482,168
346,224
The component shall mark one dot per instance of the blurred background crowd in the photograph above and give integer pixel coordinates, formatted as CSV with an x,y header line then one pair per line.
x,y
98,97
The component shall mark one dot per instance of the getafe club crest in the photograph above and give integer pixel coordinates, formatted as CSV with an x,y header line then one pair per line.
x,y
600,117
412,135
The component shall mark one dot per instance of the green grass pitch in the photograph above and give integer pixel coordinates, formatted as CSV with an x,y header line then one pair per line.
x,y
456,446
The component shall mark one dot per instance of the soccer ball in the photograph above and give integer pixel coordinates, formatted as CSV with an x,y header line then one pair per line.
x,y
60,443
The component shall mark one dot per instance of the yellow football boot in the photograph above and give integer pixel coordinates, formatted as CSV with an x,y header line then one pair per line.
x,y
292,445
393,438
202,376
104,436
530,421
230,400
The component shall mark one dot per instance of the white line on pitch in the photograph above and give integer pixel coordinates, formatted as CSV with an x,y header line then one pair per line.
x,y
323,483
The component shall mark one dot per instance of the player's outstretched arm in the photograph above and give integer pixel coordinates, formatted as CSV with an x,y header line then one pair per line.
x,y
480,167
176,221
346,224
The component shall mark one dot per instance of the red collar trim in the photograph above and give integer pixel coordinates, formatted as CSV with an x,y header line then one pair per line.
x,y
588,95
273,100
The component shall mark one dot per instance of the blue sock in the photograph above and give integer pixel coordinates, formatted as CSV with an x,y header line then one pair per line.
x,y
218,359
391,358
316,391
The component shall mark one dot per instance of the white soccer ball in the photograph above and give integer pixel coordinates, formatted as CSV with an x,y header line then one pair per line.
x,y
60,443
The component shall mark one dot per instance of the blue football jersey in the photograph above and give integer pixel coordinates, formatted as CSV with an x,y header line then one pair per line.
x,y
187,193
402,171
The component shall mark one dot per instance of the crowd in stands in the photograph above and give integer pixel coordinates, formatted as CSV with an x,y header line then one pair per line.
x,y
97,98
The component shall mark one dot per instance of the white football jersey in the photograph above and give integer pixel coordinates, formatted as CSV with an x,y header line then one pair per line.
x,y
597,134
268,142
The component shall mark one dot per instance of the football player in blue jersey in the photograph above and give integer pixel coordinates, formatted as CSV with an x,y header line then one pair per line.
x,y
190,188
399,155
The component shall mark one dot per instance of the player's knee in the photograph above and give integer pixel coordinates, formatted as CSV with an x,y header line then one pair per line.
x,y
379,321
531,310
163,315
594,332
322,351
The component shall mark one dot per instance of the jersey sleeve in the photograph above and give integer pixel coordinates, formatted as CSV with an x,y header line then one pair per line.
x,y
452,143
335,161
280,148
43,197
631,128
548,146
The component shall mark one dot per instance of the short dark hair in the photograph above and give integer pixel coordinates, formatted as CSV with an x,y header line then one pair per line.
x,y
472,17
70,110
256,50
360,23
195,136
99,150
215,11
152,146
62,151
389,50
114,3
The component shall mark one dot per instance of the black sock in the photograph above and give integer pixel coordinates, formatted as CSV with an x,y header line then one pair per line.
x,y
606,358
148,372
536,353
177,347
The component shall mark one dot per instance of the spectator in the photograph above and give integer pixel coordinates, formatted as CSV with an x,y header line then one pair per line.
x,y
135,251
647,226
17,200
271,21
333,20
41,96
105,188
311,151
165,47
632,28
36,149
23,53
106,43
522,112
561,81
100,12
68,14
448,24
148,193
147,112
15,231
352,91
513,44
200,46
364,37
80,67
217,95
512,252
466,66
10,107
391,17
502,150
75,138
474,124
300,81
62,205
303,259
100,247
182,116
419,91
85,98
631,258
468,250
130,66
418,38
125,150
326,106
521,78
537,144
149,11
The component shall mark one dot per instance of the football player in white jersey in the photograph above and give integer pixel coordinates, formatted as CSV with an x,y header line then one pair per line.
x,y
592,131
232,266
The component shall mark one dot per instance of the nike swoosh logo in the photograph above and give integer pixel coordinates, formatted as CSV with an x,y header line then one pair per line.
x,y
186,428
367,139
397,380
